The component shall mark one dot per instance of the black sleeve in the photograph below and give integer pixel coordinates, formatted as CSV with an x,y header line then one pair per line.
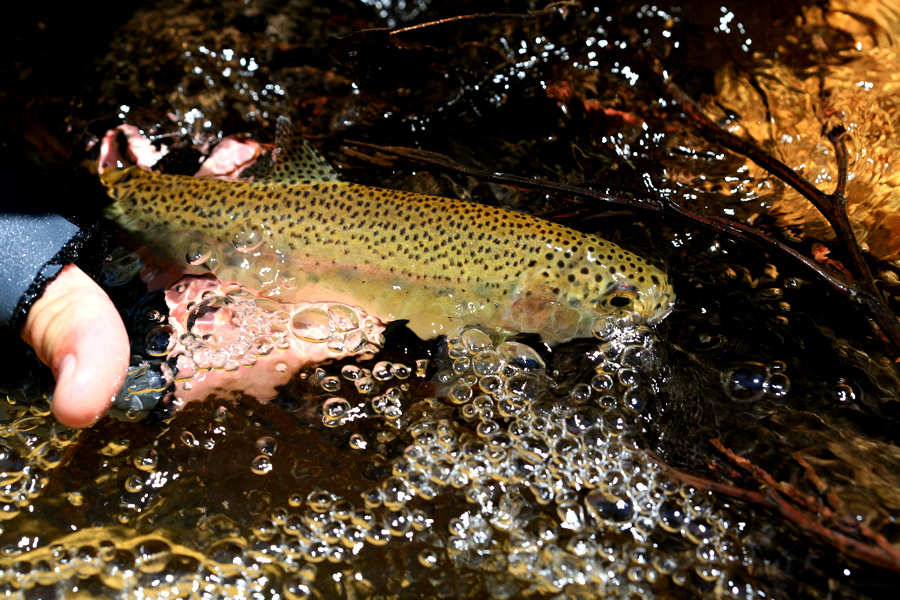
x,y
35,245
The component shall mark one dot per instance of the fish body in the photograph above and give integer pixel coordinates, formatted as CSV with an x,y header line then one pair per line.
x,y
297,233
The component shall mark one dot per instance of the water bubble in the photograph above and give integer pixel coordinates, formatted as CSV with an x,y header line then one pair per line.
x,y
604,506
330,383
248,239
352,372
746,383
335,409
460,393
134,484
428,557
475,341
843,392
160,340
526,385
267,445
342,318
778,385
189,439
312,325
358,442
320,500
602,382
520,356
146,459
383,371
261,465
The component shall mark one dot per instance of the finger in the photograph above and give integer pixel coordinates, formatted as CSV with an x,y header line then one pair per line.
x,y
76,330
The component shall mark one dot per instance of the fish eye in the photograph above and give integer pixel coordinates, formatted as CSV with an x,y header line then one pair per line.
x,y
621,296
619,301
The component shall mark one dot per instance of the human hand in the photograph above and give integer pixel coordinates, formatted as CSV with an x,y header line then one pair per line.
x,y
76,330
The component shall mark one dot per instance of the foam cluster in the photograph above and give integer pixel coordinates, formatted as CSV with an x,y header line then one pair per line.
x,y
502,481
217,331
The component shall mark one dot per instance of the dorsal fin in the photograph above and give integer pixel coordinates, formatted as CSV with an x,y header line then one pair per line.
x,y
293,161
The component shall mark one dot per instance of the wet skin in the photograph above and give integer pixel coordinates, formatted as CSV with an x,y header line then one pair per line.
x,y
76,330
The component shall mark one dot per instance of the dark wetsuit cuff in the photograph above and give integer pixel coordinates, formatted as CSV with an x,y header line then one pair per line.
x,y
35,248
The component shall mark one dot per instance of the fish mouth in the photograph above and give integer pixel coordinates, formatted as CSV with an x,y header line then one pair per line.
x,y
654,319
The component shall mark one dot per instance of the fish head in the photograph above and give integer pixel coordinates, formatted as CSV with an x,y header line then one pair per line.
x,y
648,304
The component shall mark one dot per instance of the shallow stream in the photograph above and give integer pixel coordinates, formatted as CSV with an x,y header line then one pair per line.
x,y
486,465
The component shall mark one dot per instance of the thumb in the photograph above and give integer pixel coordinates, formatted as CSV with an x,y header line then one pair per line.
x,y
76,330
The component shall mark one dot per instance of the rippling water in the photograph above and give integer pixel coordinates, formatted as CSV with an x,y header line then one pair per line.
x,y
486,465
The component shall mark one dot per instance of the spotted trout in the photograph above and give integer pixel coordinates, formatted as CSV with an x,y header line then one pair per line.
x,y
294,231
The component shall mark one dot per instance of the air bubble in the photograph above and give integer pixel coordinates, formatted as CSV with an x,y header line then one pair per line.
x,y
634,401
342,318
320,500
520,356
843,392
330,383
460,393
402,371
159,340
383,371
778,385
358,442
628,377
296,588
475,340
189,439
524,384
602,382
580,393
351,372
335,409
267,445
311,325
608,507
486,363
365,385
746,383
134,484
428,558
248,239
261,465
146,459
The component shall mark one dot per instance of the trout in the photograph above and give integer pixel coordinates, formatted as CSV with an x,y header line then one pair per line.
x,y
295,232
